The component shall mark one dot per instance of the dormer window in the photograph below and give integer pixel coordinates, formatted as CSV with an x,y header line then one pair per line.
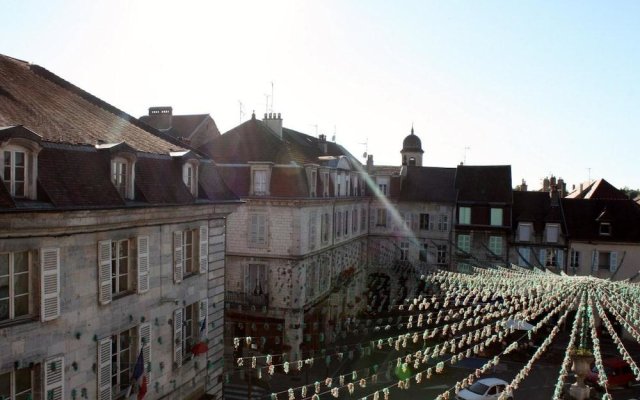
x,y
551,233
325,184
260,175
19,158
122,175
314,183
605,229
190,177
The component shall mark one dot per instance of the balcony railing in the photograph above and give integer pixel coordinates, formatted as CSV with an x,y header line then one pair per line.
x,y
242,298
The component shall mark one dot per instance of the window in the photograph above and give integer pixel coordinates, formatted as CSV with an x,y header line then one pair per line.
x,y
122,175
443,223
404,251
190,177
496,217
354,221
383,184
190,252
189,327
312,230
381,217
495,245
259,182
338,224
363,220
551,233
464,243
313,280
346,223
465,215
605,229
441,254
257,230
605,260
15,172
123,357
117,355
123,266
325,184
325,229
17,384
313,183
524,256
15,285
120,271
574,260
424,222
524,231
255,279
423,251
383,188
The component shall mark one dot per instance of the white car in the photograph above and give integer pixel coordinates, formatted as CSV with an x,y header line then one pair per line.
x,y
483,389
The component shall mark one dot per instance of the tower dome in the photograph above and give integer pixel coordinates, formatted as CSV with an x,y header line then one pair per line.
x,y
412,150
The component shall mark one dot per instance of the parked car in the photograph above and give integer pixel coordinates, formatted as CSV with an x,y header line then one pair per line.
x,y
483,389
618,373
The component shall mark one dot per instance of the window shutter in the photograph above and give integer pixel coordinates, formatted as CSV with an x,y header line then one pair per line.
x,y
143,264
177,336
177,257
594,261
204,249
54,378
262,229
104,271
203,317
613,261
543,257
104,369
247,280
50,284
560,258
144,344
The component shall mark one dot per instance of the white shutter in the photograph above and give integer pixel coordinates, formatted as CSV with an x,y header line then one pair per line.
x,y
54,379
543,257
613,261
177,257
50,284
262,229
560,258
143,263
104,271
203,317
177,336
594,260
144,343
204,249
104,369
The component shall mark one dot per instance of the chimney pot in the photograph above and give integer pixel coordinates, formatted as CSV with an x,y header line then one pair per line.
x,y
279,116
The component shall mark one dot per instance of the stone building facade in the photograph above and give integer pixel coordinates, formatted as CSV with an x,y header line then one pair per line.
x,y
112,241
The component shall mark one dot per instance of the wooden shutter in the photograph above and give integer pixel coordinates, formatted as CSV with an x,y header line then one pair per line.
x,y
247,280
144,344
613,261
54,378
50,284
143,263
203,317
594,260
177,336
104,369
253,229
178,259
204,249
104,271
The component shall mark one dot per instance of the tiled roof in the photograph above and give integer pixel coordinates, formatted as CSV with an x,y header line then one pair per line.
x,y
212,186
61,112
198,129
385,170
289,182
582,219
430,184
534,207
598,189
238,178
159,181
484,184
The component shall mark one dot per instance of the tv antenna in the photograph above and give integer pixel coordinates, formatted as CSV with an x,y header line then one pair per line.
x,y
333,139
241,111
366,148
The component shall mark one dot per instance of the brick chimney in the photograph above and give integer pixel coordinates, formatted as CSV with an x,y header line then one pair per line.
x,y
274,121
370,163
523,186
322,142
160,117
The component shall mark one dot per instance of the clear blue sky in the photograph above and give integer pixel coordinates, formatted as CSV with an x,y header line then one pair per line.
x,y
546,86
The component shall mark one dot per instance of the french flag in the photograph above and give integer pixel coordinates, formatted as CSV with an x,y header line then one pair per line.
x,y
139,378
201,347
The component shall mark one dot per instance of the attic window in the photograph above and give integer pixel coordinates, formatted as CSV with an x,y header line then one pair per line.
x,y
260,176
605,229
122,175
190,177
19,170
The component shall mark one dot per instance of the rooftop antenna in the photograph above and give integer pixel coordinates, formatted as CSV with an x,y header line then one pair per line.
x,y
241,111
464,159
266,103
333,139
271,96
366,148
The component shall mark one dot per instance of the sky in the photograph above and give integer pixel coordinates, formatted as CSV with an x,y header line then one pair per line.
x,y
549,87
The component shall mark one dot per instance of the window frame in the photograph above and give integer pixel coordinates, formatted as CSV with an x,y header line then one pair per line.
x,y
463,242
496,245
496,217
190,176
464,216
126,187
423,254
443,222
424,221
524,227
604,232
194,255
261,224
31,290
325,228
441,254
117,366
10,182
262,280
13,393
381,217
115,269
574,258
404,250
549,228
